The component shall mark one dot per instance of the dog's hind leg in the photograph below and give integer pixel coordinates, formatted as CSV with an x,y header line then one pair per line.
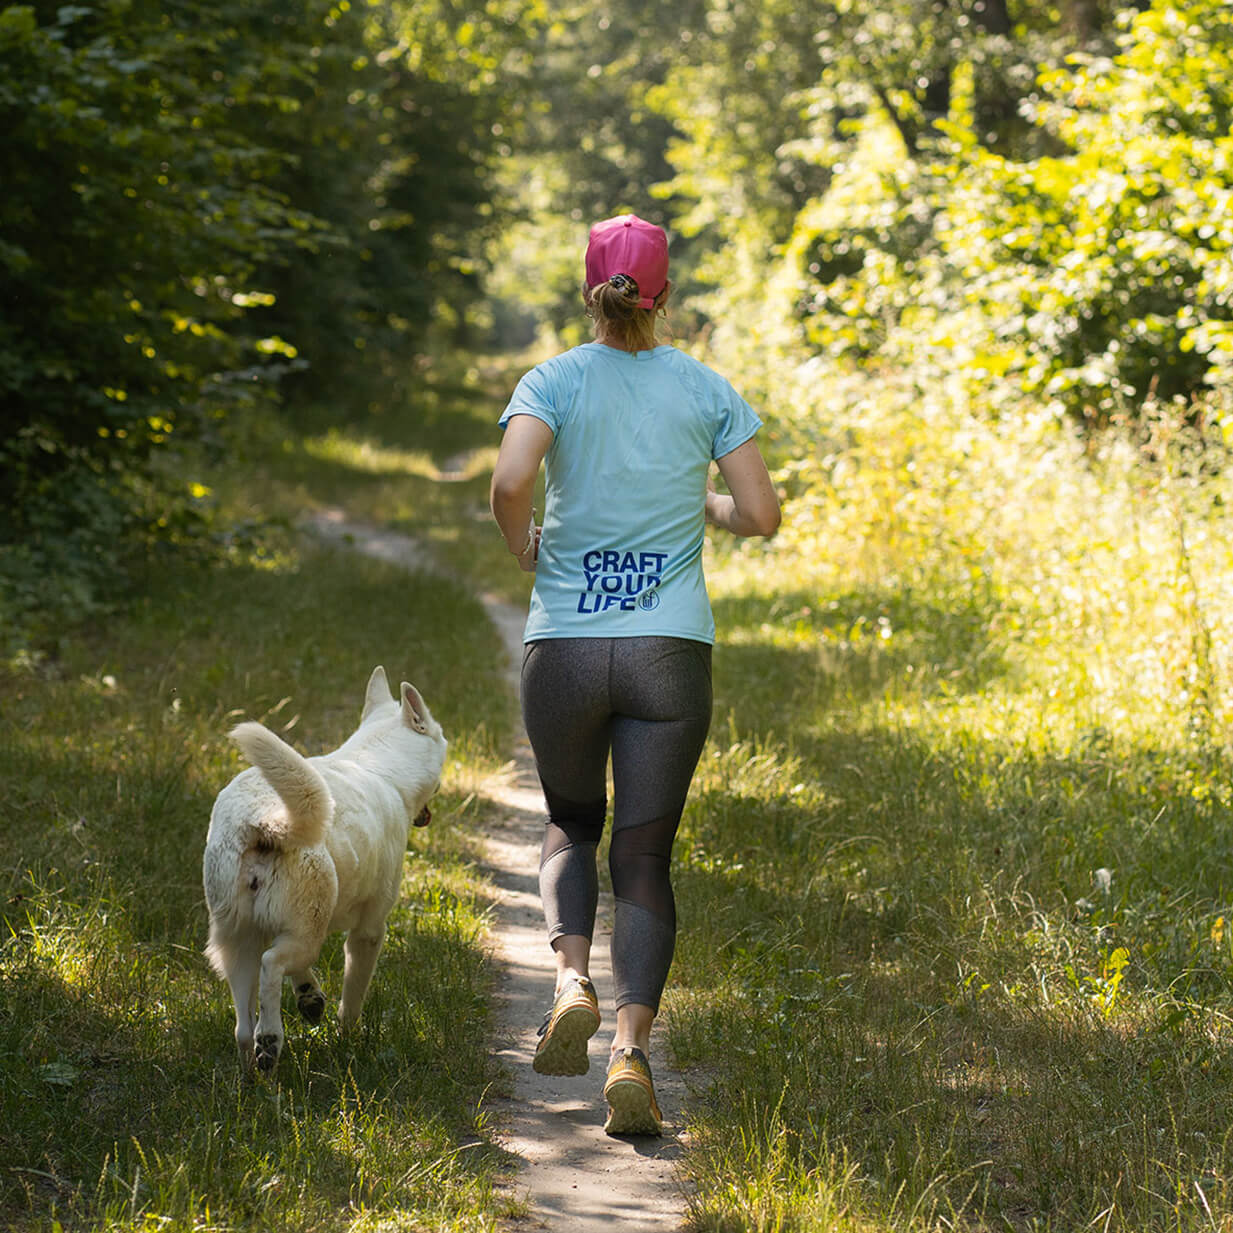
x,y
309,999
243,972
361,949
287,953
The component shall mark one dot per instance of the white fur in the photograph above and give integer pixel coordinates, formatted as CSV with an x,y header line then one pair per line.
x,y
299,847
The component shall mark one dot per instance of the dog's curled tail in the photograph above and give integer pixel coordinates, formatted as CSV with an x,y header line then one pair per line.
x,y
297,782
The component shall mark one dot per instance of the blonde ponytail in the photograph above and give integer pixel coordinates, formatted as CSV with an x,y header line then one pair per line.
x,y
619,321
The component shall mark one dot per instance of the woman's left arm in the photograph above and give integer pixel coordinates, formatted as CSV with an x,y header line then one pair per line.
x,y
523,447
753,506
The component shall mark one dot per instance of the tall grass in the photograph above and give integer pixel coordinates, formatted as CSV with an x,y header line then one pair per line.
x,y
956,922
955,877
121,1101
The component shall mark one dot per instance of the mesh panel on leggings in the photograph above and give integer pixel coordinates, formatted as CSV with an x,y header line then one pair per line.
x,y
642,947
638,860
644,928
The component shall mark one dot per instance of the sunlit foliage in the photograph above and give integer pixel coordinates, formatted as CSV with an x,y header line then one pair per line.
x,y
1071,241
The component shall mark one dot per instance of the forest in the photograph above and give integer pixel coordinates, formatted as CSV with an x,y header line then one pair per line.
x,y
956,864
213,209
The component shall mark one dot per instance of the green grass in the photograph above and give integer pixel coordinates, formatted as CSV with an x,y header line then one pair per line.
x,y
424,472
955,877
121,1101
954,881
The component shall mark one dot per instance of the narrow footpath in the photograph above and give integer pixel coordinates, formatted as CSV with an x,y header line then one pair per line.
x,y
575,1178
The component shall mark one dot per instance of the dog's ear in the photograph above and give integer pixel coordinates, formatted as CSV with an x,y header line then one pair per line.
x,y
413,708
378,691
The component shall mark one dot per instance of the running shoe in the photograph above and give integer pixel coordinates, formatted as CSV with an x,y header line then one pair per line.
x,y
631,1096
572,1021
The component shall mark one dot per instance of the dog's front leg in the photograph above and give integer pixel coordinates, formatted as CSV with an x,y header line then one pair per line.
x,y
360,950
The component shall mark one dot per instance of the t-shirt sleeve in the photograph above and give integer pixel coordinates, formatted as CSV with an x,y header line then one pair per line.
x,y
533,395
736,421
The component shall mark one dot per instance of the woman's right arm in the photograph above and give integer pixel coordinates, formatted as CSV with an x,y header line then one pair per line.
x,y
523,447
751,505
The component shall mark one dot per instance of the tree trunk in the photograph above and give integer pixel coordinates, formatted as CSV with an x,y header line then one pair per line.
x,y
992,16
1083,19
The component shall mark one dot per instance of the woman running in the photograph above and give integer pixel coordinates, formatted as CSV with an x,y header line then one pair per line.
x,y
617,659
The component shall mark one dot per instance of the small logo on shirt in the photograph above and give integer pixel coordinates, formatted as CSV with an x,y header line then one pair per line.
x,y
622,580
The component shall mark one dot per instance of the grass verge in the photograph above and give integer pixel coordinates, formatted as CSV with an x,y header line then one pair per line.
x,y
954,880
121,1105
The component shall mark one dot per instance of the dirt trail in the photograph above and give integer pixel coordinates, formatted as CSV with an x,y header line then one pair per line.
x,y
573,1176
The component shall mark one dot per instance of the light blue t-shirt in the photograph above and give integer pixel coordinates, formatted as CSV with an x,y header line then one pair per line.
x,y
633,437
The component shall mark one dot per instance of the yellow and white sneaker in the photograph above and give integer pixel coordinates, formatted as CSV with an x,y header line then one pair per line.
x,y
572,1021
630,1093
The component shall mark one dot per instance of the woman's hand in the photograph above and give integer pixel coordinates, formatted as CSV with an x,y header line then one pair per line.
x,y
710,506
529,556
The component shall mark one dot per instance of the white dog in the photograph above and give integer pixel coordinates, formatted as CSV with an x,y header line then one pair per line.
x,y
299,847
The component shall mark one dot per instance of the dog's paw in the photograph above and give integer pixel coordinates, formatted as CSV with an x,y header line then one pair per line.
x,y
311,1002
267,1051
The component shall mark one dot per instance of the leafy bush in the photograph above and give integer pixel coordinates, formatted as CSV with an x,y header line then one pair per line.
x,y
1081,253
1097,275
1110,267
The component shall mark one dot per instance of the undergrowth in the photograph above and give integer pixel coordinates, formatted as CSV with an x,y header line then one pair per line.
x,y
954,878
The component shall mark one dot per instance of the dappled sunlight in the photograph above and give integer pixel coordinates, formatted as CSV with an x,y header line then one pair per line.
x,y
116,753
955,865
1102,577
955,874
471,465
359,453
365,456
63,951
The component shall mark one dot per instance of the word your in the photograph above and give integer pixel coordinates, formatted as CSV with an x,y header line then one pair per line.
x,y
623,580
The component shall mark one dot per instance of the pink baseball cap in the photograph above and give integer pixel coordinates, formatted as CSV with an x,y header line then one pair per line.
x,y
629,245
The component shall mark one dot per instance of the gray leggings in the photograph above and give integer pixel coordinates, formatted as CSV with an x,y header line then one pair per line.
x,y
647,701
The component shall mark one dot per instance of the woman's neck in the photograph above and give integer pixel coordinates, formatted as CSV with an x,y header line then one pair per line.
x,y
618,344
